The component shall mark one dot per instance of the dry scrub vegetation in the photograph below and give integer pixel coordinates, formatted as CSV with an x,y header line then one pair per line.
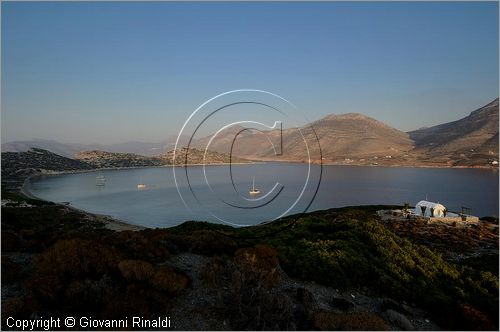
x,y
58,262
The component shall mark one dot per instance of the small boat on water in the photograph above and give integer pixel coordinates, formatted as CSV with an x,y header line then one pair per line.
x,y
100,180
141,184
254,192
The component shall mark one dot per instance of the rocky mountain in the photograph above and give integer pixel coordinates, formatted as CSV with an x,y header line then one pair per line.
x,y
468,141
196,156
341,137
351,138
248,143
103,159
356,139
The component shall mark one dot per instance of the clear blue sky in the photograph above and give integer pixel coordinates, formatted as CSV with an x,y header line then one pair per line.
x,y
112,72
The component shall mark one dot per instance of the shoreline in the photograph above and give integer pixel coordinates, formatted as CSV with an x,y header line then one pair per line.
x,y
116,224
413,166
108,221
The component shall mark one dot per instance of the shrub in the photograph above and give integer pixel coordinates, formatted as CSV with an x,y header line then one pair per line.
x,y
87,295
68,260
10,270
259,264
210,243
168,279
13,307
77,257
136,270
133,300
217,272
354,321
245,292
141,245
10,241
474,319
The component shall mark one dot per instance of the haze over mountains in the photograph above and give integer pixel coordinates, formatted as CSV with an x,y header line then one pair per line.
x,y
351,138
71,150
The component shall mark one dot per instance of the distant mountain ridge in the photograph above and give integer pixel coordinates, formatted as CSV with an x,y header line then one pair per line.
x,y
70,150
464,141
351,138
356,139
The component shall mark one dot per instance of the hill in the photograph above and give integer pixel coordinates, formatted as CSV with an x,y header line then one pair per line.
x,y
468,141
352,139
71,150
356,139
196,157
356,136
16,166
103,159
345,136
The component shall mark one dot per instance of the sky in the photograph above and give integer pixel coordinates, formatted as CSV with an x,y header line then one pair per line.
x,y
120,71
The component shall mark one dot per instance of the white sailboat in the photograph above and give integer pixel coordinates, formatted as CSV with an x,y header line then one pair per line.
x,y
254,191
100,180
141,184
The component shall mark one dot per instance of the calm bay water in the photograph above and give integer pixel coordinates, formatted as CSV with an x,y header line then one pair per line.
x,y
161,206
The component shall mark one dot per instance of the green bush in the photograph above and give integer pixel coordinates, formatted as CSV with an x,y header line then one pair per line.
x,y
210,243
353,250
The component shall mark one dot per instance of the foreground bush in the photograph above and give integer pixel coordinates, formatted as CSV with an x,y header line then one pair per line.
x,y
210,243
246,295
91,278
352,321
259,264
68,260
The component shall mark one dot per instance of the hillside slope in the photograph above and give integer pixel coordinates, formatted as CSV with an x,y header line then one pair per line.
x,y
196,157
470,140
103,159
356,136
351,135
17,165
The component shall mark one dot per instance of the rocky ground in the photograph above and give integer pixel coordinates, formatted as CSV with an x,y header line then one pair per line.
x,y
196,308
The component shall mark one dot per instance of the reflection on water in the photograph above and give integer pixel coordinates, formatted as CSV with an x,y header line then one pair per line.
x,y
160,205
